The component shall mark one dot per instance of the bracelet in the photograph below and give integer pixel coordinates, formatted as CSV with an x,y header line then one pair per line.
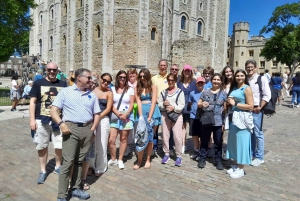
x,y
235,104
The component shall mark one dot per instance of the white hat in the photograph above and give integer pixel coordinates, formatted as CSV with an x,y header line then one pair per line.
x,y
71,69
30,81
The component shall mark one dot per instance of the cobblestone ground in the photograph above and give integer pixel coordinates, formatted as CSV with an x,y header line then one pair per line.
x,y
276,179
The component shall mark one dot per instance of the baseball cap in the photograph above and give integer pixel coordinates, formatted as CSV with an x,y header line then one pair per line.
x,y
187,67
71,69
29,82
200,79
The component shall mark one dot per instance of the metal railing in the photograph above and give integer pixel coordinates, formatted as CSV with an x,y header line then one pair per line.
x,y
5,99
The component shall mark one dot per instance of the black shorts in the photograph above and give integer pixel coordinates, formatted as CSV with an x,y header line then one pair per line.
x,y
195,127
186,118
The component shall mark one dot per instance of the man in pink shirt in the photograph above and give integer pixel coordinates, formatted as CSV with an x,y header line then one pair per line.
x,y
261,98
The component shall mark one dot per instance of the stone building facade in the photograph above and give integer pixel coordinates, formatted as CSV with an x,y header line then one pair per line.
x,y
13,66
241,48
107,35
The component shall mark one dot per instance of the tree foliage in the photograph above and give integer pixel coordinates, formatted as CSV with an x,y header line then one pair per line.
x,y
15,23
284,45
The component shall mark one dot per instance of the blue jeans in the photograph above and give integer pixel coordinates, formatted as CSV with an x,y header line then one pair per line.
x,y
257,137
296,92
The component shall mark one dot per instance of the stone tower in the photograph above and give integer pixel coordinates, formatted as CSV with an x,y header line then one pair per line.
x,y
239,43
106,35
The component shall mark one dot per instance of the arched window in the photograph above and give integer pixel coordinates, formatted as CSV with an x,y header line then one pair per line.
x,y
199,28
98,31
51,42
185,1
65,9
41,20
201,6
242,54
183,23
81,3
64,40
79,36
41,46
153,31
236,64
52,14
243,42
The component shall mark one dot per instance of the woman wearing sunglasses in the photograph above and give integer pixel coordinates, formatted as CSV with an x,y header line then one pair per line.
x,y
146,98
171,100
123,96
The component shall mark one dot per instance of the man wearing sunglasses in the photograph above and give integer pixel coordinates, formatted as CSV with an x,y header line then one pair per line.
x,y
43,93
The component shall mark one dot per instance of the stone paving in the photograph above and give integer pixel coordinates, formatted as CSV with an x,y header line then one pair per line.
x,y
276,179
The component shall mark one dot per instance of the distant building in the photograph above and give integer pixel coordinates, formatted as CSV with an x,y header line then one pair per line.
x,y
13,65
241,48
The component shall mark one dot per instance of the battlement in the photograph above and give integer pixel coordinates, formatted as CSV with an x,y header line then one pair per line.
x,y
241,26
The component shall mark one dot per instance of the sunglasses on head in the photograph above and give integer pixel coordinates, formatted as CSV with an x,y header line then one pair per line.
x,y
105,80
54,70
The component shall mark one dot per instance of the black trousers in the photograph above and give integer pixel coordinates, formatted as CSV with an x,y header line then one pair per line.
x,y
218,140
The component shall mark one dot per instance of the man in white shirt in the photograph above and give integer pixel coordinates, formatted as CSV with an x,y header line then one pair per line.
x,y
267,75
261,98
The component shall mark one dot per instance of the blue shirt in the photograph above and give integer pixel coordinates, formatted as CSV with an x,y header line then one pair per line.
x,y
194,98
277,82
26,90
208,85
191,87
38,77
76,106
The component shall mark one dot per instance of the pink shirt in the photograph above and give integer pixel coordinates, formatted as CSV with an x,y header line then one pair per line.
x,y
266,92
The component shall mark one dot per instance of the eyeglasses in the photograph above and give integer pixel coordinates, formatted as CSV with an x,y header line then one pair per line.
x,y
105,80
88,77
122,77
171,80
51,69
250,67
174,69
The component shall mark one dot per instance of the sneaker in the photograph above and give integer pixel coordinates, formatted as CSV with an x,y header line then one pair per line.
x,y
211,153
127,152
219,165
194,155
57,170
121,165
112,162
232,169
81,194
42,178
61,199
279,105
224,155
257,162
178,161
14,110
201,163
297,106
165,159
237,173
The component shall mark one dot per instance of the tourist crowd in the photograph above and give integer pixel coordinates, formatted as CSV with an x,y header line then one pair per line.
x,y
85,118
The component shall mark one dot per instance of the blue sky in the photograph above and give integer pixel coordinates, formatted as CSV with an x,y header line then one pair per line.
x,y
256,12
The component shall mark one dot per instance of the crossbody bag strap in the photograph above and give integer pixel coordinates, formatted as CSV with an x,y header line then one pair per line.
x,y
120,99
219,93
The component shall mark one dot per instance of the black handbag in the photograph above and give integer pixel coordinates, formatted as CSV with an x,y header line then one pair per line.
x,y
207,118
173,116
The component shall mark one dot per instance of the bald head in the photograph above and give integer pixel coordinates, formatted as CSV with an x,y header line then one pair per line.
x,y
52,65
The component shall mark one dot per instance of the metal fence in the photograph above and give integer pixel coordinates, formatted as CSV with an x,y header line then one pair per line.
x,y
5,98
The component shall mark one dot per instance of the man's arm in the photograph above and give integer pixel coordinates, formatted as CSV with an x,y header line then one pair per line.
x,y
54,112
33,125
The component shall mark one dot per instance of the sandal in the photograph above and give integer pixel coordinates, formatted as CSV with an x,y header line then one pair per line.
x,y
69,187
86,186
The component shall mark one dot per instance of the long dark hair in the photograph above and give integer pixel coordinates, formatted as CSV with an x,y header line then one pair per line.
x,y
225,79
220,76
297,76
14,77
106,74
148,85
234,83
117,80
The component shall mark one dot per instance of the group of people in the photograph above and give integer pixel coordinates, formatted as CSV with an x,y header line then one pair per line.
x,y
86,118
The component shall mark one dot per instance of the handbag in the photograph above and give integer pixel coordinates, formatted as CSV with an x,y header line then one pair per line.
x,y
173,116
207,118
113,116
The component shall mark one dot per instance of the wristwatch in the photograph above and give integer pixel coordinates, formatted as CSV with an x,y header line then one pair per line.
x,y
60,123
235,104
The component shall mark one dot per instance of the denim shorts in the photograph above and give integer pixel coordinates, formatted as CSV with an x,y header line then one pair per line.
x,y
122,124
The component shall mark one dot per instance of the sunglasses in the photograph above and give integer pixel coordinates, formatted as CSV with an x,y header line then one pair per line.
x,y
142,76
171,80
174,69
88,77
54,70
105,80
122,77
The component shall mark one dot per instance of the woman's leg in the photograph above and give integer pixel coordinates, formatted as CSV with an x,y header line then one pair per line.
x,y
218,141
112,143
298,97
166,127
123,143
177,131
140,159
183,134
149,151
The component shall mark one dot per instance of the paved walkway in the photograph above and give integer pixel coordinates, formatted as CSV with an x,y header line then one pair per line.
x,y
276,179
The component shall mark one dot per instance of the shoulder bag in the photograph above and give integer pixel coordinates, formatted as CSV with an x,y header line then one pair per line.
x,y
172,115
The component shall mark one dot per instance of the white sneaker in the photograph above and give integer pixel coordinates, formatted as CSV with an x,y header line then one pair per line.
x,y
237,173
121,165
297,106
127,152
232,169
257,162
198,158
112,162
279,105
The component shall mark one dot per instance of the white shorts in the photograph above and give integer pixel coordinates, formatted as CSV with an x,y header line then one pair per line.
x,y
42,136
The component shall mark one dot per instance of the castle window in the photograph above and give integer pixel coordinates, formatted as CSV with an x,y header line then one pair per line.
x,y
236,64
153,32
97,31
243,42
183,23
41,46
242,54
64,40
52,14
51,42
228,54
41,20
251,53
79,36
262,64
199,28
201,6
184,1
238,42
80,3
65,9
274,63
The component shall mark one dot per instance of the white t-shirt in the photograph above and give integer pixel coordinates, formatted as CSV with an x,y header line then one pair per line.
x,y
285,77
13,84
124,106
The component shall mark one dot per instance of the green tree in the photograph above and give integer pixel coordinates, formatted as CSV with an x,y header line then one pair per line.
x,y
284,45
15,23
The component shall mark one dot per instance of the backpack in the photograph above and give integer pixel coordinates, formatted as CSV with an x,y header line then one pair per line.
x,y
269,108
